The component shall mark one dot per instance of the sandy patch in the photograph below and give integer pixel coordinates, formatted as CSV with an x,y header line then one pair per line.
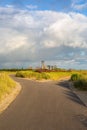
x,y
8,99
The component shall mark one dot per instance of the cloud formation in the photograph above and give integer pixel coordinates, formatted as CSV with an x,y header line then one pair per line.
x,y
32,7
27,37
79,4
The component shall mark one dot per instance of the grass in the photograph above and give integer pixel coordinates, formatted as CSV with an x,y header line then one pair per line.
x,y
80,80
6,85
43,75
32,75
58,75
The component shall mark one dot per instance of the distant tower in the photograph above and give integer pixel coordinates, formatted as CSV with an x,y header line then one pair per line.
x,y
43,65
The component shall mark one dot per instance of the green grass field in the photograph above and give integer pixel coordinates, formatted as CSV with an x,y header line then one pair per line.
x,y
6,85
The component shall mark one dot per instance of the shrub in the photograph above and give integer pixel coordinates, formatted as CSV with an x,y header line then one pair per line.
x,y
80,81
18,74
45,76
75,77
81,84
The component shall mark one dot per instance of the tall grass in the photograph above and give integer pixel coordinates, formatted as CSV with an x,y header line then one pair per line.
x,y
58,75
43,75
32,75
6,85
80,81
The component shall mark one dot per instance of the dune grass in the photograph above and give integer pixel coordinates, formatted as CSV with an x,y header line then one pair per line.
x,y
43,75
80,80
6,85
59,75
32,75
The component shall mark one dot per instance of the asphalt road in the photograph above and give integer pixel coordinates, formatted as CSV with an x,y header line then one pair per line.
x,y
44,106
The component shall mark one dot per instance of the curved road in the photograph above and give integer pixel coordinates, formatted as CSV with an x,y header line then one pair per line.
x,y
44,106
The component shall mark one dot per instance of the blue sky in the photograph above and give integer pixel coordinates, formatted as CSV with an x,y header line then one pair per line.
x,y
57,5
50,30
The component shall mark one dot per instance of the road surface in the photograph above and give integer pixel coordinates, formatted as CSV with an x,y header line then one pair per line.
x,y
44,106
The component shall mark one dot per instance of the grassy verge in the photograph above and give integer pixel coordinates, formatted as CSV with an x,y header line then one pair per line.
x,y
32,75
43,75
59,75
80,81
6,85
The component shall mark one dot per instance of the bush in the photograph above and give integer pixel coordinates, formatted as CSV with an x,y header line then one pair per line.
x,y
81,84
18,74
43,76
75,77
80,81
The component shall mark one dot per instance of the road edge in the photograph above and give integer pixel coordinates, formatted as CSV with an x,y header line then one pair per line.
x,y
8,99
82,95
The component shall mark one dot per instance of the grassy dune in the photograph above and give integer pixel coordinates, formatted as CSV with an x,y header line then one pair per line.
x,y
80,80
32,75
59,75
43,75
6,85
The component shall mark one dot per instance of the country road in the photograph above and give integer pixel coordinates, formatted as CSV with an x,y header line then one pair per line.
x,y
44,106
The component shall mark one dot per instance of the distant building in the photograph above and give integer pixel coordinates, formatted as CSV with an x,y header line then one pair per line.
x,y
43,66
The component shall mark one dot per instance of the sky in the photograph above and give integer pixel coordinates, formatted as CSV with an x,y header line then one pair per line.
x,y
51,30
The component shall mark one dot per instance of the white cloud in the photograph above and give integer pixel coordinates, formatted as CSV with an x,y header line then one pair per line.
x,y
28,36
10,40
79,4
32,6
9,6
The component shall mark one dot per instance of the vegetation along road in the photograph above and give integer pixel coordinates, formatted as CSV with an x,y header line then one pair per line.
x,y
44,106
